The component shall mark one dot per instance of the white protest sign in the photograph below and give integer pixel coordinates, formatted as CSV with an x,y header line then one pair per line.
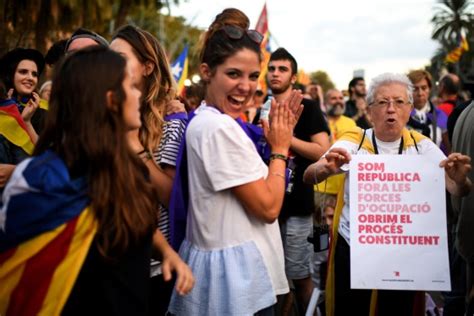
x,y
398,223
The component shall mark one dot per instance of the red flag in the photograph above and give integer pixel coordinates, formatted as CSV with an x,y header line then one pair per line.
x,y
262,28
262,24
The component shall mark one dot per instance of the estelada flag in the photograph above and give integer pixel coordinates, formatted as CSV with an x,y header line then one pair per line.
x,y
12,126
262,28
179,68
46,230
454,55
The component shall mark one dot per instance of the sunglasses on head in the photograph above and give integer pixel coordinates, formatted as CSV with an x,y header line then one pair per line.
x,y
236,32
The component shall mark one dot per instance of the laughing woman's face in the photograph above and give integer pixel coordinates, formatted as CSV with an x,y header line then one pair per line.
x,y
233,83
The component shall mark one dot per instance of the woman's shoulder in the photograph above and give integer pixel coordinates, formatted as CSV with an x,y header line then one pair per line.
x,y
211,121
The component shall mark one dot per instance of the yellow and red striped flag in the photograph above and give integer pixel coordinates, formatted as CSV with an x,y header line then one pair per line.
x,y
13,128
46,230
454,55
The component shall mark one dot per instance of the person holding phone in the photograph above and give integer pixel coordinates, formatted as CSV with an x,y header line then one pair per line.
x,y
20,69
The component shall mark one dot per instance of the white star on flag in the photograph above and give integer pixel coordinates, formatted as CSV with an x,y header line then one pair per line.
x,y
176,70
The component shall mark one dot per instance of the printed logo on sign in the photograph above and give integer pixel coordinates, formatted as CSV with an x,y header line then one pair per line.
x,y
396,273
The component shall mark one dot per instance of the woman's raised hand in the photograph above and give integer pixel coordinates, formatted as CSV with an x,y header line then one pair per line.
x,y
294,103
279,130
30,107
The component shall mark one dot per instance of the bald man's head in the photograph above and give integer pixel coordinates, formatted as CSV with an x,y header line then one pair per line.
x,y
449,85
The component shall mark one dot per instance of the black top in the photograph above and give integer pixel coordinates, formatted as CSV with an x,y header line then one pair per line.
x,y
453,117
10,153
300,202
38,120
120,287
350,109
363,122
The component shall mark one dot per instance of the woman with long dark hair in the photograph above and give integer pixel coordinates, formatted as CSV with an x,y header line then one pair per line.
x,y
78,218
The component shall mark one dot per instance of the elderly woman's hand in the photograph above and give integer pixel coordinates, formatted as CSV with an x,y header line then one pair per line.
x,y
336,158
457,166
330,164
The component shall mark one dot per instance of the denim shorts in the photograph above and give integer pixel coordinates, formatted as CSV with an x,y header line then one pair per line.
x,y
298,251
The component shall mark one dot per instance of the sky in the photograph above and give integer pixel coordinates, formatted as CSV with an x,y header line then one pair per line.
x,y
337,36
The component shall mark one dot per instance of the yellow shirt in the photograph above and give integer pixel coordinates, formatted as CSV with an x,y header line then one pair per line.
x,y
339,126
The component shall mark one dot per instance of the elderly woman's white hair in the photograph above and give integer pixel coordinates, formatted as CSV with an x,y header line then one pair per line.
x,y
388,78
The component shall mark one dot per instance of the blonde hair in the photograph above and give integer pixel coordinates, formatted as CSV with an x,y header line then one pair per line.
x,y
160,87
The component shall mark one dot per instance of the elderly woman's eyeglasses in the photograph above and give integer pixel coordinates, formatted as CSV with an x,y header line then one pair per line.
x,y
398,103
235,32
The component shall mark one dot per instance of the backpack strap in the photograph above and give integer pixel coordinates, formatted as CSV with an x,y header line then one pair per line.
x,y
414,141
362,140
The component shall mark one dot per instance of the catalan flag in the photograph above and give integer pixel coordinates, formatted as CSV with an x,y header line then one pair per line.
x,y
13,127
454,55
43,104
262,28
179,68
46,230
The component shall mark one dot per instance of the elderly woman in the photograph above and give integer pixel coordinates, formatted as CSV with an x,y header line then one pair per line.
x,y
390,100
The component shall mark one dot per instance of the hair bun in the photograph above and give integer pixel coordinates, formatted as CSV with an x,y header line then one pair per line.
x,y
230,16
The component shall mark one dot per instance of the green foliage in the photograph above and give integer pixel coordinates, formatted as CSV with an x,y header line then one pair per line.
x,y
39,23
172,32
451,19
322,78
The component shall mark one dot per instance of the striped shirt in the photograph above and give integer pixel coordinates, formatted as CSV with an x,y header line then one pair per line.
x,y
167,154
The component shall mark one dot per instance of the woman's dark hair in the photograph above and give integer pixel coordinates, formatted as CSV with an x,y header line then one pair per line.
x,y
160,86
217,46
89,134
55,52
10,61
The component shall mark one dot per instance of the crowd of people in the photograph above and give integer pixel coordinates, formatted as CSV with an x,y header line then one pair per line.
x,y
122,197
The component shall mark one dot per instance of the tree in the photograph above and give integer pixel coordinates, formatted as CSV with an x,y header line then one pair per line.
x,y
172,32
452,18
38,23
322,78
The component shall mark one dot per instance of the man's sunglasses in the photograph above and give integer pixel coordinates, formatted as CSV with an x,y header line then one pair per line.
x,y
235,32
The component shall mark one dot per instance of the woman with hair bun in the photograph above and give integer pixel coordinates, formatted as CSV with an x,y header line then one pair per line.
x,y
233,242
